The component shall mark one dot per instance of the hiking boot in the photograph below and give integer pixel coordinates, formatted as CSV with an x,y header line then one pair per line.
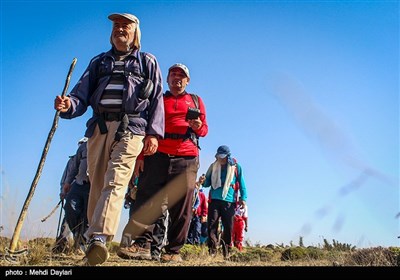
x,y
172,258
212,252
134,252
226,251
96,252
155,257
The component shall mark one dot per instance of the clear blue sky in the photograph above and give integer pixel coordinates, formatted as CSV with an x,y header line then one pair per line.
x,y
305,93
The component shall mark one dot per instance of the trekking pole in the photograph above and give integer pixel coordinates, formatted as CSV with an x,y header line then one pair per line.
x,y
59,218
18,227
52,212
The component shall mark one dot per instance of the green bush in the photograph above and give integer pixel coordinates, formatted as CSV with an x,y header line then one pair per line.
x,y
294,253
193,251
255,254
314,253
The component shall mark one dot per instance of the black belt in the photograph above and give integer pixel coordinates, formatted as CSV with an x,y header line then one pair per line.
x,y
116,116
188,135
102,118
110,117
175,156
176,135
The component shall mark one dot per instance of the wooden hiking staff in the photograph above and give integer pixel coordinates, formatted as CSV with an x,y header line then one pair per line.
x,y
52,212
24,210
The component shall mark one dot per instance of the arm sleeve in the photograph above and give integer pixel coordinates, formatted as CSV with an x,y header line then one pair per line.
x,y
156,122
207,181
197,199
64,175
242,184
72,169
80,94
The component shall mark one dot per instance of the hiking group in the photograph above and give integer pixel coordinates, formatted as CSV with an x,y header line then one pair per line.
x,y
147,139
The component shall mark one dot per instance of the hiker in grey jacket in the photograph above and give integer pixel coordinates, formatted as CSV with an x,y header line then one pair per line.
x,y
77,187
124,88
62,244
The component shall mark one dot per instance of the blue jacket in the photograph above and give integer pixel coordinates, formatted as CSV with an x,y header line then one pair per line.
x,y
217,193
90,87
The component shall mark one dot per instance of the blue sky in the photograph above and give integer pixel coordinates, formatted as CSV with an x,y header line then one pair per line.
x,y
305,93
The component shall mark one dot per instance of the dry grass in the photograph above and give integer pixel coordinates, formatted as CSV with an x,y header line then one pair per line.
x,y
40,254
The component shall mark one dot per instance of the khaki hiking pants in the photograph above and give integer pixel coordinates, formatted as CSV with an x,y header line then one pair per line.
x,y
110,167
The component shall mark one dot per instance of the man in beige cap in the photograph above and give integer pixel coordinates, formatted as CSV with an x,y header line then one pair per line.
x,y
124,88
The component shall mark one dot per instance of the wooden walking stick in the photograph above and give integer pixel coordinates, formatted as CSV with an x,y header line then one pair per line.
x,y
52,212
18,227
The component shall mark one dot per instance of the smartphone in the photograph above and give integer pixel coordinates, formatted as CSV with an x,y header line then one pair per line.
x,y
192,113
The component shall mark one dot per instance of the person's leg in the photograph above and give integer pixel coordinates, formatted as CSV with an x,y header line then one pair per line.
x,y
97,158
148,207
73,208
213,221
159,235
240,234
180,188
227,215
191,233
204,233
196,230
62,241
116,160
120,167
234,233
127,240
84,197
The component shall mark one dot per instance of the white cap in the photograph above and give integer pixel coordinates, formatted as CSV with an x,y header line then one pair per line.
x,y
83,140
180,66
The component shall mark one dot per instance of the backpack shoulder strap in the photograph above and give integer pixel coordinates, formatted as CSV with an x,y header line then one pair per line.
x,y
236,170
195,99
94,71
143,65
236,187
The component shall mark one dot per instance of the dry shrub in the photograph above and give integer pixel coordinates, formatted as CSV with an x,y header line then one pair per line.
x,y
39,250
377,256
4,243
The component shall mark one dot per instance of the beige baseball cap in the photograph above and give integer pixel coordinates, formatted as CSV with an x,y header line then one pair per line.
x,y
123,15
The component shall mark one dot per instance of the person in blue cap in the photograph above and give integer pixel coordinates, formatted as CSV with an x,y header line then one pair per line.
x,y
225,177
